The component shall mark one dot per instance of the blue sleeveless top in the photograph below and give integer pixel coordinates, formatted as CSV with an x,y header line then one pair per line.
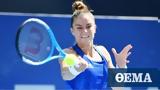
x,y
95,77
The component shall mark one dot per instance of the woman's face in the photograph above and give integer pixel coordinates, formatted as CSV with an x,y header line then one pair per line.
x,y
84,28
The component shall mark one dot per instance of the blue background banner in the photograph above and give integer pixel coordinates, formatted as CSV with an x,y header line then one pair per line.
x,y
142,34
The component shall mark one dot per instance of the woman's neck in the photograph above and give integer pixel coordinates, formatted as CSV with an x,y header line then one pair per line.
x,y
87,48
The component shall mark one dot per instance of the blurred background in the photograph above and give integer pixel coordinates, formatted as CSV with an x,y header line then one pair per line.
x,y
102,7
119,23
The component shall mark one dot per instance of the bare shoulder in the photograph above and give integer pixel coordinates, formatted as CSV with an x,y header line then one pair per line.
x,y
69,51
105,52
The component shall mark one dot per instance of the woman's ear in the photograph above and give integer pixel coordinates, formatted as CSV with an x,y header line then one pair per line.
x,y
95,27
72,31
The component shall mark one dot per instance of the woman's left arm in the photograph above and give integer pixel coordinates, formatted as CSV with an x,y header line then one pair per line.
x,y
121,59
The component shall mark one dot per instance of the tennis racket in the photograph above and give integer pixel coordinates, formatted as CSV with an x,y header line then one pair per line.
x,y
36,43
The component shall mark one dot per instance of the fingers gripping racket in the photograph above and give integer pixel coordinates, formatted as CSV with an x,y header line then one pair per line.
x,y
35,42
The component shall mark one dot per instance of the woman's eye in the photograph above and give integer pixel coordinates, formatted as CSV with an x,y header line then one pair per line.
x,y
89,26
79,28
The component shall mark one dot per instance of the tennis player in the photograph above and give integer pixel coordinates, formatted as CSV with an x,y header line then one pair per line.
x,y
90,71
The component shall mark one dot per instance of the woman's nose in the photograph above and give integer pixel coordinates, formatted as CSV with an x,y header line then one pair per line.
x,y
85,30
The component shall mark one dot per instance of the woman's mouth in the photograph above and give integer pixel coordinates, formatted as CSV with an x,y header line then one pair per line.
x,y
84,36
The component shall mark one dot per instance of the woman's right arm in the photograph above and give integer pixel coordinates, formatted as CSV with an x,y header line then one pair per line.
x,y
66,72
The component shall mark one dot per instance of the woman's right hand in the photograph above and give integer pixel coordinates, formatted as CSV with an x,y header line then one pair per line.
x,y
81,64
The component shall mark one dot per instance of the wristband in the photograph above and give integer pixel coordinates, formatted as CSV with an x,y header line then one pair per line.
x,y
118,66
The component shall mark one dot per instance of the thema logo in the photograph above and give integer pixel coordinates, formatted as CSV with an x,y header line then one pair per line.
x,y
133,77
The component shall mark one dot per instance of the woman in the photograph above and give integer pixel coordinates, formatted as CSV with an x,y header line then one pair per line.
x,y
90,72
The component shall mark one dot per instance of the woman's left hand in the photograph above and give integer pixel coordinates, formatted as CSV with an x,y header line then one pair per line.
x,y
121,58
